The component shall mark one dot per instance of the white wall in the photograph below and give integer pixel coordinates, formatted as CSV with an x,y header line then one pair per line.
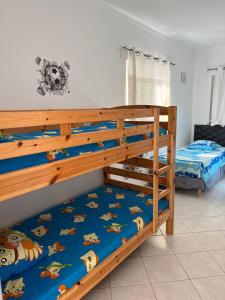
x,y
88,35
205,58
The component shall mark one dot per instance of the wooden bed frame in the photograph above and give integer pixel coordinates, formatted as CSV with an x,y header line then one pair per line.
x,y
29,179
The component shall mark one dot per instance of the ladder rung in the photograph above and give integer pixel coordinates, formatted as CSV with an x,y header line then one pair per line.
x,y
164,193
163,170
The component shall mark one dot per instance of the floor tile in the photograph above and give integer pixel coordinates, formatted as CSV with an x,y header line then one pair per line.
x,y
176,290
99,294
179,227
164,268
209,210
212,240
159,232
199,224
199,264
218,223
181,212
137,292
103,284
211,288
184,243
130,272
219,257
155,245
134,254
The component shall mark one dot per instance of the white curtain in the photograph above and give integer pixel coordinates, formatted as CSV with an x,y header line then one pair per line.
x,y
147,80
218,101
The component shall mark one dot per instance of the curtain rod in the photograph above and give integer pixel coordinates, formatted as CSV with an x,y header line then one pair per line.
x,y
148,56
214,69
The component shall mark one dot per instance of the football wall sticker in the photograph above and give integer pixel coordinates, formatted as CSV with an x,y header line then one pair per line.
x,y
54,77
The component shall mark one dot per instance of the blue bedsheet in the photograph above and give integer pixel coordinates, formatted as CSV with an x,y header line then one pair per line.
x,y
17,163
79,234
196,163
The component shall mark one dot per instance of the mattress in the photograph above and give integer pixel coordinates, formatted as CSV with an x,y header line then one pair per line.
x,y
201,164
86,230
18,163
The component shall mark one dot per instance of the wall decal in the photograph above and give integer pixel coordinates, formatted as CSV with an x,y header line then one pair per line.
x,y
54,77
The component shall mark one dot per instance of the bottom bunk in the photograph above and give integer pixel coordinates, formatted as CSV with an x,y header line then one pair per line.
x,y
65,251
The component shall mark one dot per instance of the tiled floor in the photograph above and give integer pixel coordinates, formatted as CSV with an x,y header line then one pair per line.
x,y
189,265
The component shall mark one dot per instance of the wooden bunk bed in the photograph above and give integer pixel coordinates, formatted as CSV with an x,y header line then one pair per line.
x,y
29,179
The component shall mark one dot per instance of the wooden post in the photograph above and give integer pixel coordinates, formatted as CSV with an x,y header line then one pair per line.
x,y
65,129
120,125
155,171
171,151
106,175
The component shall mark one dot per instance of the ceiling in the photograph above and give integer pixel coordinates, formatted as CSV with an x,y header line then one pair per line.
x,y
194,23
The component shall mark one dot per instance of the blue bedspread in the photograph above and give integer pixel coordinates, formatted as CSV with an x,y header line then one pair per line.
x,y
196,163
79,234
17,163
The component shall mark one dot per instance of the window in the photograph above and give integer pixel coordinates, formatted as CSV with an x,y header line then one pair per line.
x,y
147,79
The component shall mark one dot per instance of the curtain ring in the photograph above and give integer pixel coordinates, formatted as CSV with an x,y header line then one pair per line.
x,y
156,59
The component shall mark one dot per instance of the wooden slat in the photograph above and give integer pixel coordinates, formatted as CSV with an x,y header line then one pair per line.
x,y
79,290
135,175
138,162
18,119
141,129
163,110
130,174
142,162
38,128
139,122
162,124
19,182
25,147
131,186
164,193
163,217
164,140
163,170
28,129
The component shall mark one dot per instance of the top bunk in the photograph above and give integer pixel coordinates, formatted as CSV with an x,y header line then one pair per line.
x,y
43,147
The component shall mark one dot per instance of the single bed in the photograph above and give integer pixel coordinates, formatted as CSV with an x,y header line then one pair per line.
x,y
79,235
197,168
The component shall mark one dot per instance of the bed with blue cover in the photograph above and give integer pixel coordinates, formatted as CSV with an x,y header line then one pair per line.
x,y
198,165
74,237
18,163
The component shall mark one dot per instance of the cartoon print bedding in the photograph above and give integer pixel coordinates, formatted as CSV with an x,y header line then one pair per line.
x,y
17,163
195,163
78,235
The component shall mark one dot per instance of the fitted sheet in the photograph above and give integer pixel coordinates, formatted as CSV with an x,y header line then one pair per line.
x,y
83,229
200,164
